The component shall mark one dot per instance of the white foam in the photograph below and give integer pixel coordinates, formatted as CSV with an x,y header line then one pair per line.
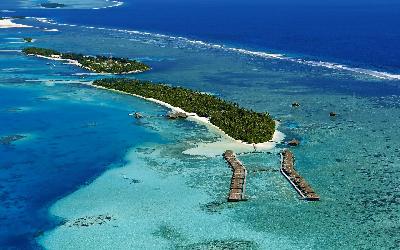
x,y
51,30
7,23
113,5
40,19
260,54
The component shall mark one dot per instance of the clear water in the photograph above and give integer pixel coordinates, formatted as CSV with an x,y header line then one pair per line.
x,y
85,157
61,123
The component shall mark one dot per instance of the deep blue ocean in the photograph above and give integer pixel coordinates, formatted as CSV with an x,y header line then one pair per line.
x,y
80,147
360,33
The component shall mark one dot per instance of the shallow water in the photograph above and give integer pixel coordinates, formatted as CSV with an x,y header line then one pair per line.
x,y
162,198
61,124
57,156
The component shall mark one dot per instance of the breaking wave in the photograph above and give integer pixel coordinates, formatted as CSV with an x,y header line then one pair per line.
x,y
114,4
179,41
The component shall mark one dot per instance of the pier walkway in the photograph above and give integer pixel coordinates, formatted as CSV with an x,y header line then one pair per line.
x,y
298,182
238,180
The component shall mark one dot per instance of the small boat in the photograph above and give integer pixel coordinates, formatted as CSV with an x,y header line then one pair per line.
x,y
137,115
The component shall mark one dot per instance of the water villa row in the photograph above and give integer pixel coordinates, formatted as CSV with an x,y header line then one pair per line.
x,y
238,180
298,182
239,174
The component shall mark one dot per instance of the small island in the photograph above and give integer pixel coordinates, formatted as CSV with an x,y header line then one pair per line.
x,y
52,5
239,123
98,64
28,39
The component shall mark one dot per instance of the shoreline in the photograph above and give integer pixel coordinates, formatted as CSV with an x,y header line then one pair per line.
x,y
212,148
76,63
201,148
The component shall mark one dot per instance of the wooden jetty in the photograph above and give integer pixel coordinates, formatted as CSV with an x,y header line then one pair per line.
x,y
238,180
298,182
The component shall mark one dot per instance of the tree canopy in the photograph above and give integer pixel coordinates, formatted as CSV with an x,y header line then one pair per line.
x,y
239,123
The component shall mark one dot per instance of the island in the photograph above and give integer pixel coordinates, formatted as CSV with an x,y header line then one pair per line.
x,y
28,39
52,5
239,123
97,64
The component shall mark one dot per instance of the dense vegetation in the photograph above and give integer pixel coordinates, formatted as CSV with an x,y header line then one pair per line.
x,y
40,51
98,64
239,123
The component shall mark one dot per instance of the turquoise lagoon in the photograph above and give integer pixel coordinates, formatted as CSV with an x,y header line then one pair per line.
x,y
157,197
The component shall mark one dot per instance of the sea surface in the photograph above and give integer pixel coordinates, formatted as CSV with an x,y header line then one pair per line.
x,y
86,175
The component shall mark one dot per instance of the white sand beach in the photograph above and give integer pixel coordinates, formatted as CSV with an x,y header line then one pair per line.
x,y
76,63
218,147
8,23
209,149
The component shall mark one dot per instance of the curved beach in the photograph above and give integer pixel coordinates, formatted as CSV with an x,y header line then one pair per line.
x,y
212,148
206,149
